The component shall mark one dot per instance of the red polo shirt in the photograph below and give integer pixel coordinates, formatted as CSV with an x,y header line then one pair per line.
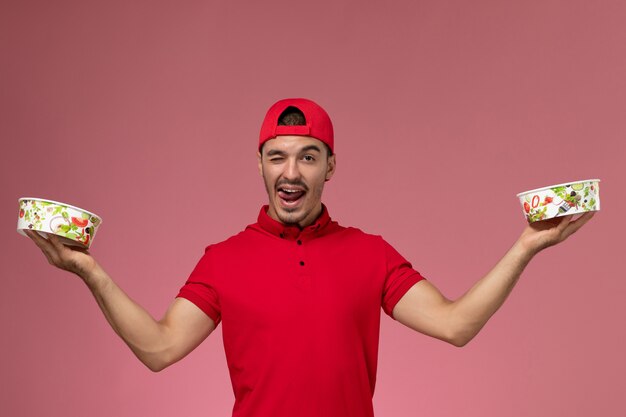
x,y
300,314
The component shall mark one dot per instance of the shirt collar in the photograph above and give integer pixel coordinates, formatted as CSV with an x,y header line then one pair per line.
x,y
292,231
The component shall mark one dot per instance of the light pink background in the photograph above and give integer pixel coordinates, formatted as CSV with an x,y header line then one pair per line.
x,y
147,113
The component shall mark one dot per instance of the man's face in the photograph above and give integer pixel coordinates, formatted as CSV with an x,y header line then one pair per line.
x,y
294,169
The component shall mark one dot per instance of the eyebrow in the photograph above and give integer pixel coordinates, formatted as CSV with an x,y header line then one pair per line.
x,y
273,152
308,148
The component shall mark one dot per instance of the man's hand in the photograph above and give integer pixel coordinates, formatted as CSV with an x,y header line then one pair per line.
x,y
543,234
71,259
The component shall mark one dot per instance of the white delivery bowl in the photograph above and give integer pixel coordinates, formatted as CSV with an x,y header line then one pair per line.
x,y
75,226
561,200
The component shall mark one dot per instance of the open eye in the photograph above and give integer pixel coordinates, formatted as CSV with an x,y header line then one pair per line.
x,y
308,158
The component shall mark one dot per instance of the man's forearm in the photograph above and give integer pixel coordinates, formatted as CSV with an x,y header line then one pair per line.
x,y
156,343
141,332
470,312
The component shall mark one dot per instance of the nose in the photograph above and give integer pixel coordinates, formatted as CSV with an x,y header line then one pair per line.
x,y
292,171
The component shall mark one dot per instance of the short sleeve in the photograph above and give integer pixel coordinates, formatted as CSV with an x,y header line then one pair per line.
x,y
200,290
400,278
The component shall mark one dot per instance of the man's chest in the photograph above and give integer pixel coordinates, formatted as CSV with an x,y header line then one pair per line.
x,y
278,284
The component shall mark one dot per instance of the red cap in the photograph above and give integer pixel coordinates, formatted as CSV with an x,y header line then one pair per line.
x,y
318,124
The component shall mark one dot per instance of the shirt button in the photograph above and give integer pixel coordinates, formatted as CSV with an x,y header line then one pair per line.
x,y
301,263
282,235
299,242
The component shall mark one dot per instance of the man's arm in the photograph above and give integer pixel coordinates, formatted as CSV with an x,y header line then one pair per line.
x,y
425,309
157,344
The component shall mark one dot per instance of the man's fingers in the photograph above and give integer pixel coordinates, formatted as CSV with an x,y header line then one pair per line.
x,y
54,240
39,240
43,244
61,248
574,225
565,221
35,237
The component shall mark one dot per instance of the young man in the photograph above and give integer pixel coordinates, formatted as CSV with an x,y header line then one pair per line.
x,y
298,295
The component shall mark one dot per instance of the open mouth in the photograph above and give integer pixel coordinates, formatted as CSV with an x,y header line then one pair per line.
x,y
290,196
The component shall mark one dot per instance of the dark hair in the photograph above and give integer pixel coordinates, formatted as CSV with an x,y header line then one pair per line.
x,y
292,116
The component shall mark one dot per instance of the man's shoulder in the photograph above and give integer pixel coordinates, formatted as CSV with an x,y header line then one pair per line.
x,y
352,232
231,242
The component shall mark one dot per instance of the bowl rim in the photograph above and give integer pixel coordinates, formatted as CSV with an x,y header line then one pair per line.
x,y
556,185
61,204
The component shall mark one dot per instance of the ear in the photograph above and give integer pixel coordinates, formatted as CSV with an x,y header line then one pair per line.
x,y
332,165
259,160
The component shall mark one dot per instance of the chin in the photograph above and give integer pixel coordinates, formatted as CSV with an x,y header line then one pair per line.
x,y
290,217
